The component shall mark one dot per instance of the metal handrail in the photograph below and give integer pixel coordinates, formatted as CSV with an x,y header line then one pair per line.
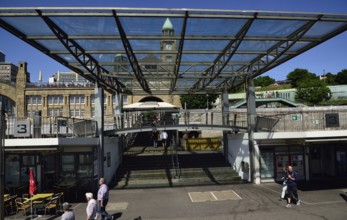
x,y
174,158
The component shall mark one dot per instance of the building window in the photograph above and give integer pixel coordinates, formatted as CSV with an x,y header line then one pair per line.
x,y
93,98
168,46
34,100
55,100
77,99
55,112
76,113
169,59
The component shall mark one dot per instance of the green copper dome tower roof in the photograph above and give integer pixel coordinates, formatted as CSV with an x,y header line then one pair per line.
x,y
167,25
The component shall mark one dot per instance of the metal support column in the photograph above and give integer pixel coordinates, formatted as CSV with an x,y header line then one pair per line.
x,y
99,116
225,121
251,119
2,157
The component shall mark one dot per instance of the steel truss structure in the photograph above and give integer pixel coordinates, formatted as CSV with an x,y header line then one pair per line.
x,y
207,51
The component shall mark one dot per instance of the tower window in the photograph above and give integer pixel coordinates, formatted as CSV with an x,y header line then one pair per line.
x,y
169,59
168,46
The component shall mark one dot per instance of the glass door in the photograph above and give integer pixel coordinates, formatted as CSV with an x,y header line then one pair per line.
x,y
267,165
341,162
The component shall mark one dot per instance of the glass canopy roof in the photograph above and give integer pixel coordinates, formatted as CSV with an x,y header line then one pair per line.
x,y
169,51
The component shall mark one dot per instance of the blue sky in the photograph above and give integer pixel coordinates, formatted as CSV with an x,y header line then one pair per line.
x,y
329,56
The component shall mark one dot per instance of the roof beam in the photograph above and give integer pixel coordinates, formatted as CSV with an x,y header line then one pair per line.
x,y
166,52
221,61
86,60
159,37
179,53
131,55
263,63
43,49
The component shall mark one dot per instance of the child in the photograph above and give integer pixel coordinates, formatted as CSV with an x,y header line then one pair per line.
x,y
284,184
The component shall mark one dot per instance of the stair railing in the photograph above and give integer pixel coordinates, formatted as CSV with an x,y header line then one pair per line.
x,y
174,158
130,137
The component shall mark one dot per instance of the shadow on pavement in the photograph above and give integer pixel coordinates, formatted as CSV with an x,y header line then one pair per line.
x,y
344,196
322,185
117,215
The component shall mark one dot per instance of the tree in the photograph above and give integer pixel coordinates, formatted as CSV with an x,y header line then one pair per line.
x,y
330,79
198,101
299,75
313,91
341,77
263,81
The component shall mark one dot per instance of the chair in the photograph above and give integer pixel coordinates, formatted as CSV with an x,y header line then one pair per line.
x,y
26,196
52,204
61,199
20,205
9,203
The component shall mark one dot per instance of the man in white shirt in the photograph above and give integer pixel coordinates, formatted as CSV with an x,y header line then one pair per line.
x,y
91,207
103,200
163,137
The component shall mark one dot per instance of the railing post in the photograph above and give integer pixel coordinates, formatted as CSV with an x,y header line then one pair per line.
x,y
206,117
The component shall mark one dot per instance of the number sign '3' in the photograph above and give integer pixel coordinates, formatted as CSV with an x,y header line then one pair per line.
x,y
21,129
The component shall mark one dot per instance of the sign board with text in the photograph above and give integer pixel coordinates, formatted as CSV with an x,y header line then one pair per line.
x,y
21,128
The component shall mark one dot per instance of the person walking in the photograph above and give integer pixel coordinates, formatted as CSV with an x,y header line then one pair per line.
x,y
292,188
155,137
68,214
91,207
163,137
284,184
103,200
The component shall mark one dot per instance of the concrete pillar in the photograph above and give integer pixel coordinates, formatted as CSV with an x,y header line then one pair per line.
x,y
251,119
66,107
225,107
99,117
225,121
22,77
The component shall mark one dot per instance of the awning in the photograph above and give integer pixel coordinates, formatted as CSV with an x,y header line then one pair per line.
x,y
143,51
149,106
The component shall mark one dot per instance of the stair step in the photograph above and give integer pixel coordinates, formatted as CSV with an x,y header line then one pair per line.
x,y
156,170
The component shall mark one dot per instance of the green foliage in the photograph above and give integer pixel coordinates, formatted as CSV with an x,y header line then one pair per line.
x,y
300,75
313,91
334,102
330,79
198,101
280,87
341,77
263,81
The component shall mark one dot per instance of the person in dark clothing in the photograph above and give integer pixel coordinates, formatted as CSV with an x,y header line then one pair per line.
x,y
292,187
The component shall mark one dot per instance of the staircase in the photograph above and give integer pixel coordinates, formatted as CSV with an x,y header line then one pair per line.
x,y
149,167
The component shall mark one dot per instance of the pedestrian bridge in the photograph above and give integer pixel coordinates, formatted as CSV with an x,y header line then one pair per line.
x,y
235,120
178,127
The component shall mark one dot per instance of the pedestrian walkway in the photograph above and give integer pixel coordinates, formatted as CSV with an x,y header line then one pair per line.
x,y
240,201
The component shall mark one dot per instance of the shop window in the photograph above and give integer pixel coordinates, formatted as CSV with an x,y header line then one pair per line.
x,y
68,167
11,171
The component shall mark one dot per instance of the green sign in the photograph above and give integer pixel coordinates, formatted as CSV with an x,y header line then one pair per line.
x,y
296,117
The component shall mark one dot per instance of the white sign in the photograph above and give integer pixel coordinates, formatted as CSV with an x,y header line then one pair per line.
x,y
21,128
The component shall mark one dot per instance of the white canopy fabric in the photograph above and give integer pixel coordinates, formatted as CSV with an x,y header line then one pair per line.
x,y
149,106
